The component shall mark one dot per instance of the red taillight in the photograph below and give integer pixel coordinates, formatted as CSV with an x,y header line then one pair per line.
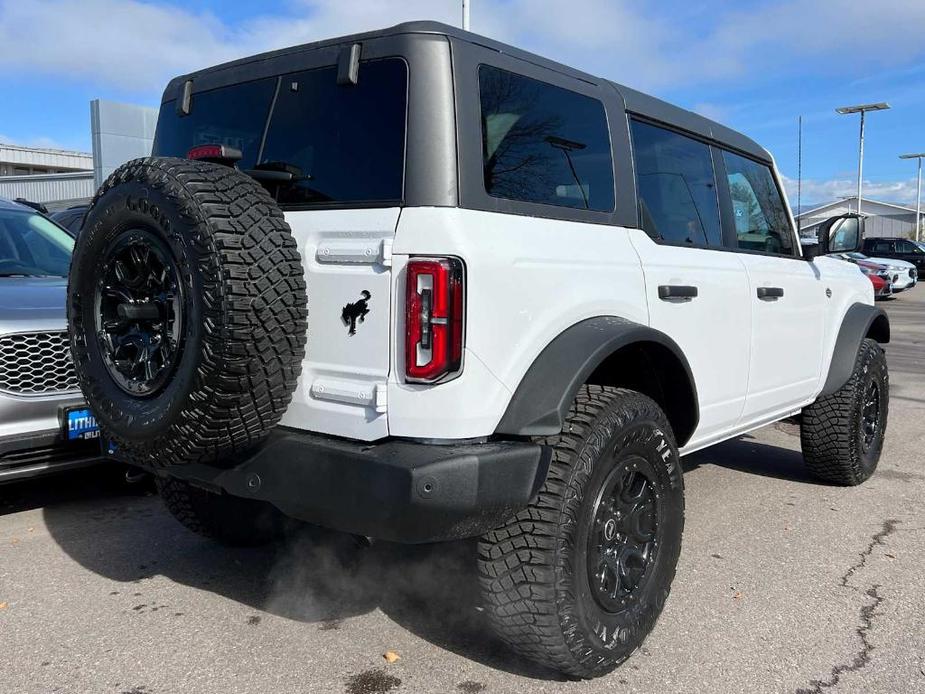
x,y
217,153
433,319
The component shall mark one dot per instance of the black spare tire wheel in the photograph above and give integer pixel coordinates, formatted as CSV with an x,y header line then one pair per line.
x,y
187,311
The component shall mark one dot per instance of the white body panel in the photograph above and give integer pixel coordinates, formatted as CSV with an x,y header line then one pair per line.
x,y
848,287
344,252
786,335
527,280
712,330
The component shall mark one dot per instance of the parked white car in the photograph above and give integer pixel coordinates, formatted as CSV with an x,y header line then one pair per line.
x,y
904,274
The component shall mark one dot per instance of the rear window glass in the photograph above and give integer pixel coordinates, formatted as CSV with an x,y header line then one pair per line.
x,y
335,144
233,116
544,144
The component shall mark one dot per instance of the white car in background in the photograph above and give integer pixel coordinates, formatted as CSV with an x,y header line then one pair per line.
x,y
905,274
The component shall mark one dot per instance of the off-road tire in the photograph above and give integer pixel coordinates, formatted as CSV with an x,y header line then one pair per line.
x,y
831,430
227,519
244,298
533,570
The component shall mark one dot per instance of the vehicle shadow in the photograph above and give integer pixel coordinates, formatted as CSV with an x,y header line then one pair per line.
x,y
747,454
99,480
313,576
321,577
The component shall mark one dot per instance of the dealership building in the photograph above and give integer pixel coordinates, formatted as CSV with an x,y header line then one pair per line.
x,y
45,175
881,218
61,178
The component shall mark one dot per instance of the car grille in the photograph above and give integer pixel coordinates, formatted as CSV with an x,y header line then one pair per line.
x,y
36,364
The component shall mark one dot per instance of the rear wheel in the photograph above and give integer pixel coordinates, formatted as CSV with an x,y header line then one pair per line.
x,y
577,580
230,520
842,433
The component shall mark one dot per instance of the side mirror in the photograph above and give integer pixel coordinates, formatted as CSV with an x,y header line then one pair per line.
x,y
842,234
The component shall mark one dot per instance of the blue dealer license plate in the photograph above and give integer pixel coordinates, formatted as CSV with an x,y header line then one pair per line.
x,y
80,424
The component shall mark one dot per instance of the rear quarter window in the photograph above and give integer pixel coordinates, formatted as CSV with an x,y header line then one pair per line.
x,y
544,144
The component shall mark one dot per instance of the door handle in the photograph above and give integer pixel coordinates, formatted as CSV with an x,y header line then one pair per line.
x,y
676,292
770,293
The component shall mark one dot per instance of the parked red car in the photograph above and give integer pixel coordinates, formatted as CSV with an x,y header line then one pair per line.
x,y
882,287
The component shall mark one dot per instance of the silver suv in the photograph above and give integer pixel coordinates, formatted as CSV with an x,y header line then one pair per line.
x,y
44,422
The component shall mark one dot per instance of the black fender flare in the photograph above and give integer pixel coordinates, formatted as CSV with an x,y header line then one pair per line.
x,y
542,399
860,321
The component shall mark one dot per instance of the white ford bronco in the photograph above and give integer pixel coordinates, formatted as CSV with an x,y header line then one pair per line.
x,y
419,285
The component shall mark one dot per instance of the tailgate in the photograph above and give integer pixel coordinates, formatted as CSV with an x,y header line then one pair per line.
x,y
347,260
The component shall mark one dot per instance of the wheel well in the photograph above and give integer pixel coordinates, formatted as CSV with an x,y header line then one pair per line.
x,y
654,370
879,329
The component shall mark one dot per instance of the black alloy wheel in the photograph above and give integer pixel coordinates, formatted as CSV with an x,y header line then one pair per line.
x,y
623,541
870,415
139,312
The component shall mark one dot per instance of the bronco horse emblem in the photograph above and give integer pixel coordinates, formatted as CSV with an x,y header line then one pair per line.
x,y
356,311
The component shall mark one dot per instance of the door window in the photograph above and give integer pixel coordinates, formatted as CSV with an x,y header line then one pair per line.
x,y
906,247
761,219
676,187
544,144
883,247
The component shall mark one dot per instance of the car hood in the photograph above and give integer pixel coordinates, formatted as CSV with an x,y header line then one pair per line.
x,y
24,299
893,262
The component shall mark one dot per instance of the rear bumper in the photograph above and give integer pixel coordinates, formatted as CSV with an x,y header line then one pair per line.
x,y
397,490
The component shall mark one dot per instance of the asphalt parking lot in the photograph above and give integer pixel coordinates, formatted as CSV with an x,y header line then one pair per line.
x,y
784,585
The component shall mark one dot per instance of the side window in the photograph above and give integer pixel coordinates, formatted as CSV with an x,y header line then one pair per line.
x,y
544,144
905,247
761,219
676,187
883,247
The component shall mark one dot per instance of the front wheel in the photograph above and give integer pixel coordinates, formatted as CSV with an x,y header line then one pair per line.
x,y
577,580
842,433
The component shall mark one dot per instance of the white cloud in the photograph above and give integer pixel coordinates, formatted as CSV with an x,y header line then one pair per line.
x,y
137,46
712,111
39,141
819,191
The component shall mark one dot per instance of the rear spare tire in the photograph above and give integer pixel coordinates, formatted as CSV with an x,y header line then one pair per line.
x,y
187,311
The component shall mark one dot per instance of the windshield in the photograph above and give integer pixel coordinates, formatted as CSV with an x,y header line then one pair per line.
x,y
327,143
33,246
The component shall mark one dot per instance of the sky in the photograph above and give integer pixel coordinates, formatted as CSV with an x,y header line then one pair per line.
x,y
754,65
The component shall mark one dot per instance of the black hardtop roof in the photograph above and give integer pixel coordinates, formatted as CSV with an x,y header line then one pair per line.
x,y
635,101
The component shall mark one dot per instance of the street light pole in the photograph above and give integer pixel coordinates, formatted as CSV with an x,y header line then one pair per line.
x,y
918,203
918,192
861,160
862,109
465,14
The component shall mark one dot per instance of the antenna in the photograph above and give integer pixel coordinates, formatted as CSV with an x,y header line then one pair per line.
x,y
465,14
